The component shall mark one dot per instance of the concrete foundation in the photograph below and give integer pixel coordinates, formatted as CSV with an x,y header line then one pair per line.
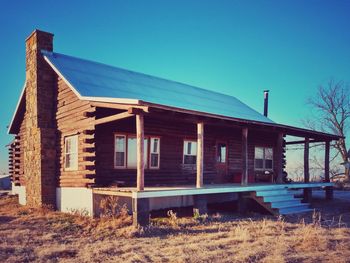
x,y
21,192
74,199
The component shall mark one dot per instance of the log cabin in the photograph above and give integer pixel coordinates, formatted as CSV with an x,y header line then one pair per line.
x,y
84,131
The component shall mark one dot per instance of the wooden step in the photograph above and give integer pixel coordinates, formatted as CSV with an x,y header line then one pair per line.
x,y
277,198
272,193
281,204
280,201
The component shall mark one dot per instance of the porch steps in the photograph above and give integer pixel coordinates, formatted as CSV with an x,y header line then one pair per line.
x,y
280,201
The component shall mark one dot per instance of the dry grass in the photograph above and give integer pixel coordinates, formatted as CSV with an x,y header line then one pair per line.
x,y
28,234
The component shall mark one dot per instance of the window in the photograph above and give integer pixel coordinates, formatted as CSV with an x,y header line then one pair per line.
x,y
263,158
154,153
120,149
125,147
221,153
71,153
132,152
190,152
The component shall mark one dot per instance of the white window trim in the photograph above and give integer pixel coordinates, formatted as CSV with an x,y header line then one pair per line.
x,y
125,151
264,169
183,151
150,152
66,138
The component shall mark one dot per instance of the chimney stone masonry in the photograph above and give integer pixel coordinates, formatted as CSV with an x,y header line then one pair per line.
x,y
40,134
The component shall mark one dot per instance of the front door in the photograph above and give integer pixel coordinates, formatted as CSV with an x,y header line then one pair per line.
x,y
221,162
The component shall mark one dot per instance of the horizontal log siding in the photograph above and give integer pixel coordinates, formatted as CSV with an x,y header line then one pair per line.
x,y
172,134
17,170
70,120
22,132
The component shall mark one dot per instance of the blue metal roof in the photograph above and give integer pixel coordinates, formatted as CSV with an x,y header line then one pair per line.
x,y
92,80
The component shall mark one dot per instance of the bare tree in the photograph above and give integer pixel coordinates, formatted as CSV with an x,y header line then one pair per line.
x,y
331,113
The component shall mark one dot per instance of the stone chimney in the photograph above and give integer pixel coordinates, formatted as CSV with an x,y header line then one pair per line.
x,y
40,133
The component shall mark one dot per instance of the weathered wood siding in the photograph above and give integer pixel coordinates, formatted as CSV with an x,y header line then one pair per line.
x,y
172,134
71,119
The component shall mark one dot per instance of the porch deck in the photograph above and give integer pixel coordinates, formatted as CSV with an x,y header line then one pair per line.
x,y
170,191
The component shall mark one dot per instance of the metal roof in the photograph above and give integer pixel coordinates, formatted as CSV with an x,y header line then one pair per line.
x,y
96,81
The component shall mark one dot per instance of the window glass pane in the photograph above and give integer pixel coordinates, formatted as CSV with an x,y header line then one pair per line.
x,y
132,152
132,147
67,163
189,145
194,148
68,145
259,163
155,145
268,164
154,159
74,143
185,147
71,152
154,162
74,160
259,153
120,144
269,153
119,159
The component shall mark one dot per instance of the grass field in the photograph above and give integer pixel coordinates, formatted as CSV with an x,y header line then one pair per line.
x,y
28,234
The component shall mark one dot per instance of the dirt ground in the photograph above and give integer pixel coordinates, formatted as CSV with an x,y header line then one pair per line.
x,y
42,235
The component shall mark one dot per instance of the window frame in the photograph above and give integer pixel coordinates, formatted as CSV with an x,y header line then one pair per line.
x,y
76,167
217,151
147,151
150,152
264,158
125,151
183,151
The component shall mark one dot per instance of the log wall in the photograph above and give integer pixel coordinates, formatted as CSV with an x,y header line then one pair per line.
x,y
172,134
75,117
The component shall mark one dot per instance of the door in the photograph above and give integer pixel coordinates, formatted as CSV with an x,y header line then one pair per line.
x,y
221,162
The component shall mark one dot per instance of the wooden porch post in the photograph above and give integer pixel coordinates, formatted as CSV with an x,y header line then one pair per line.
x,y
140,152
244,156
200,153
329,189
279,171
307,191
306,161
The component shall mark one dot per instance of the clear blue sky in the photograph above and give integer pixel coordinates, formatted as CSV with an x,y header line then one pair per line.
x,y
234,47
